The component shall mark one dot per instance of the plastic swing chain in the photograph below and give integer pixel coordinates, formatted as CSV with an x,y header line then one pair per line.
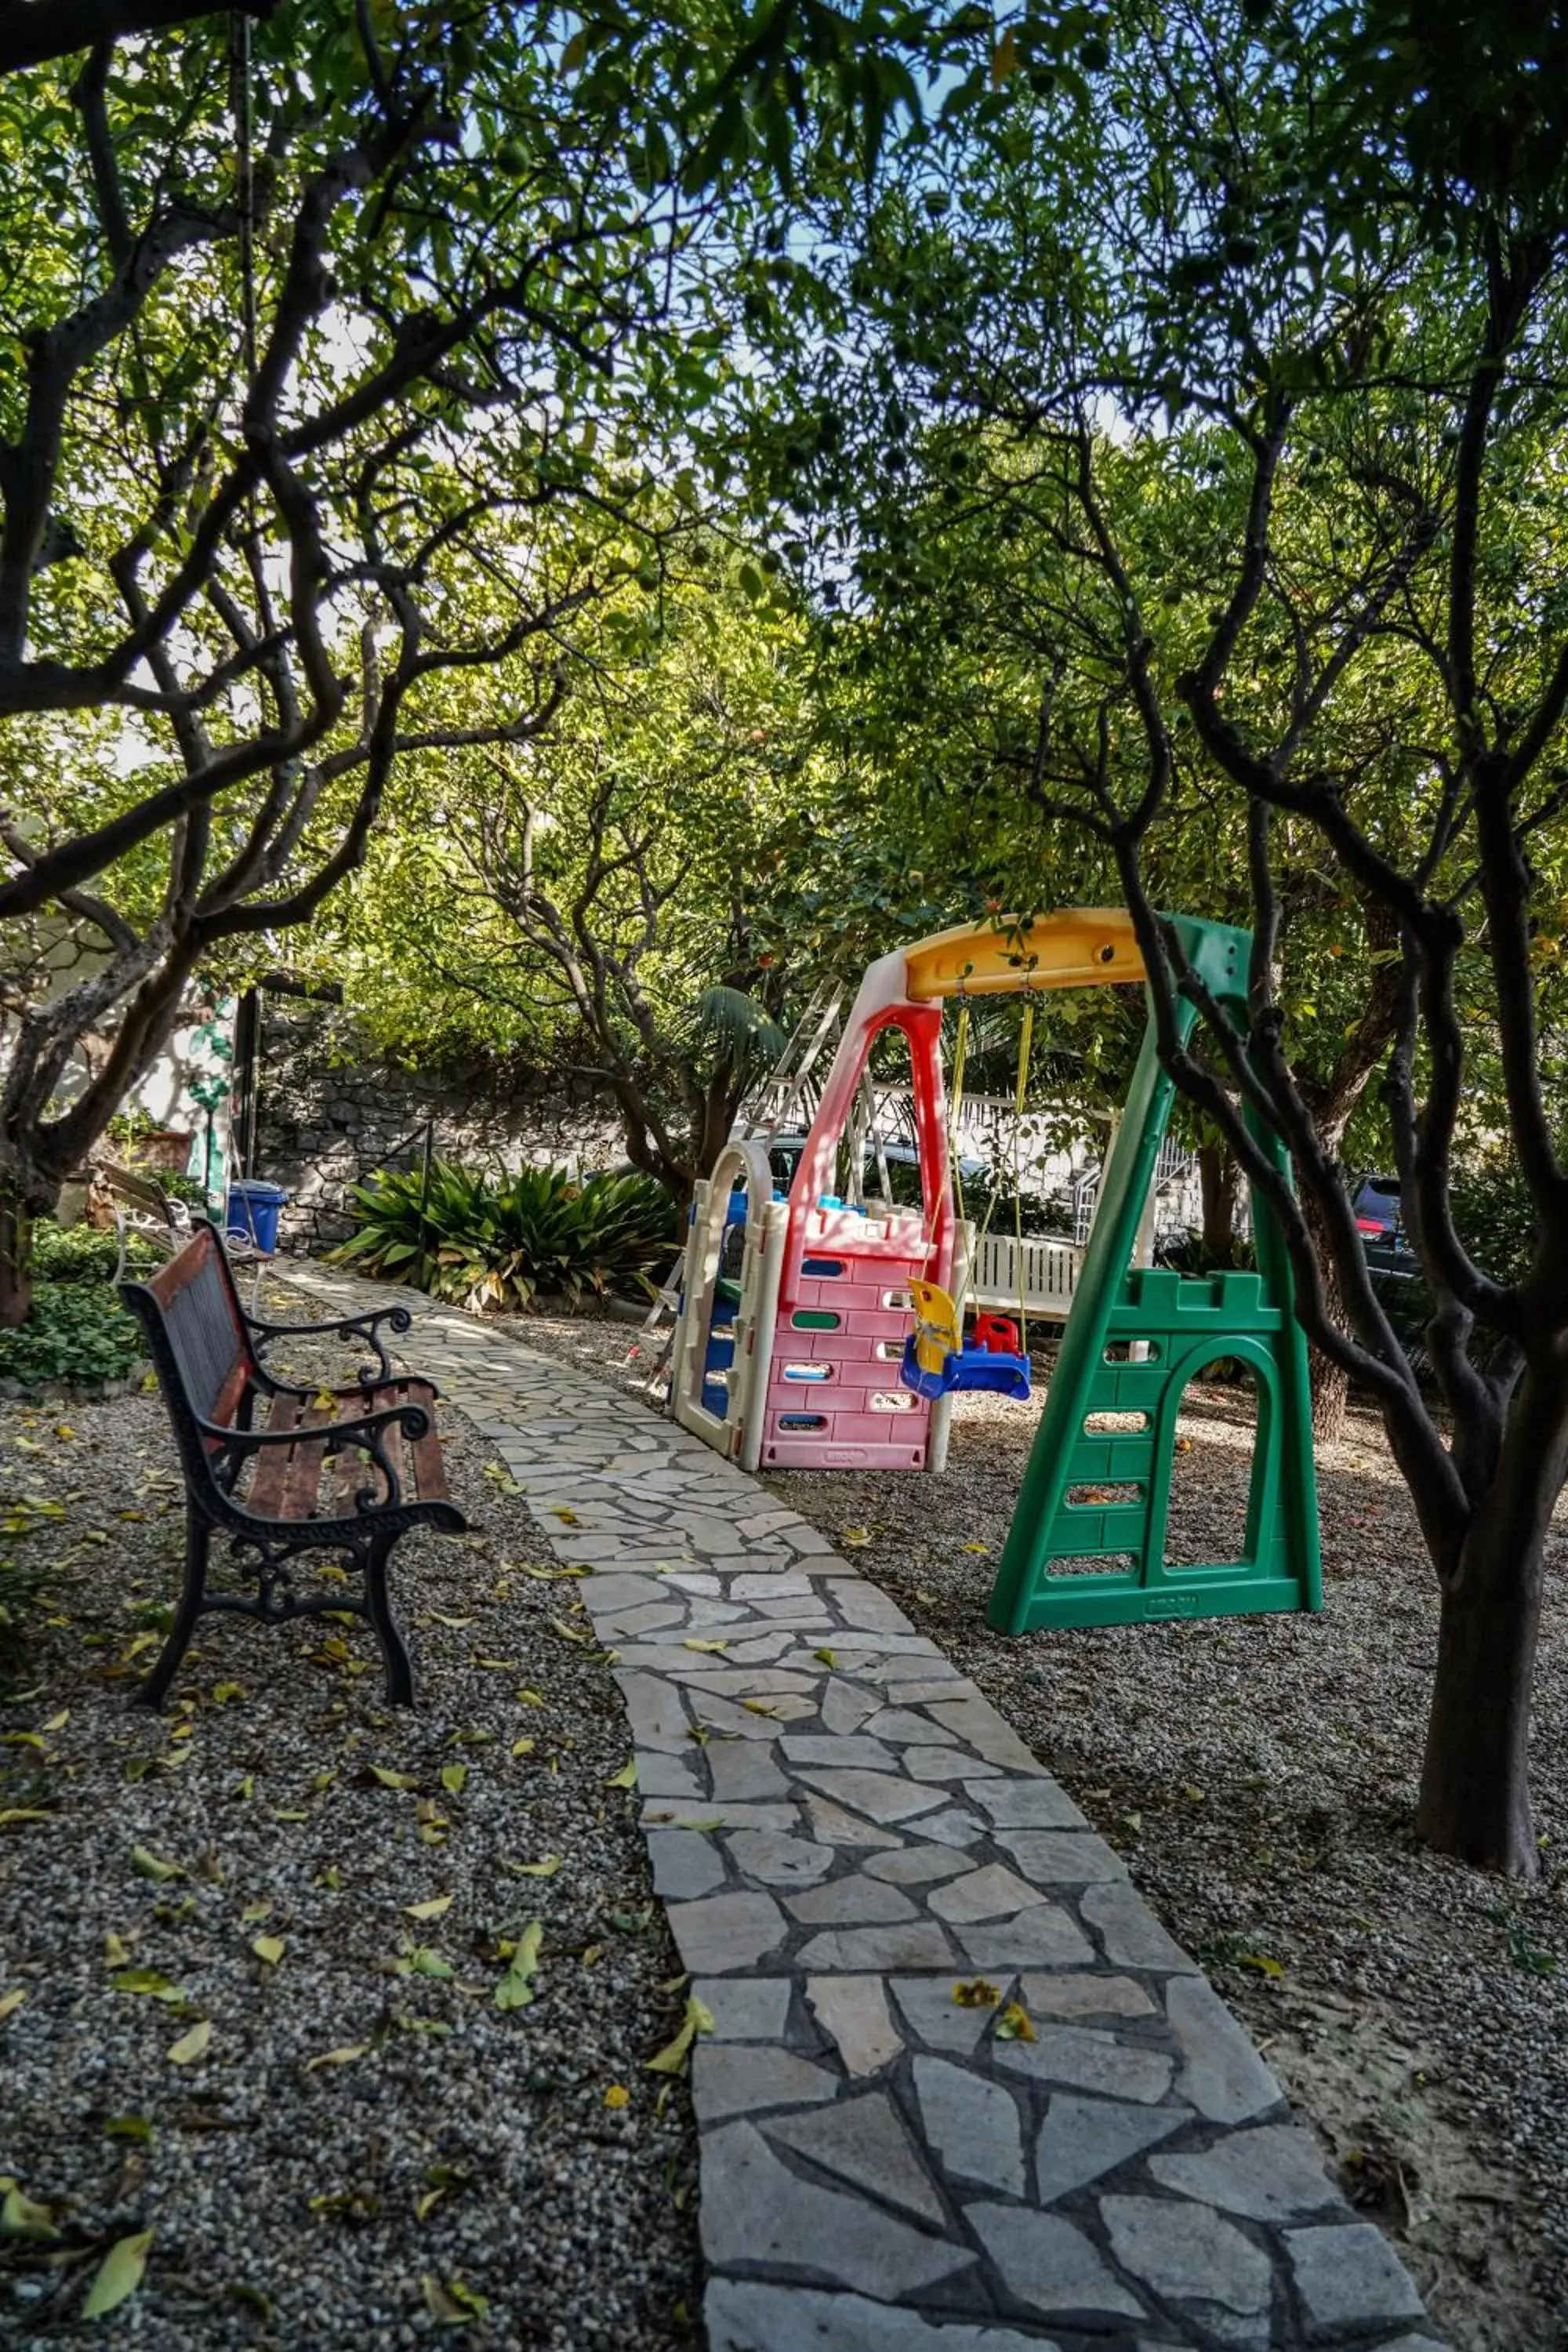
x,y
1026,1043
1020,1096
935,1358
955,1102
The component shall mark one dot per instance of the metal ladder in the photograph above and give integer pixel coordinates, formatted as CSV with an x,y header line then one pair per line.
x,y
763,1112
652,1381
759,1119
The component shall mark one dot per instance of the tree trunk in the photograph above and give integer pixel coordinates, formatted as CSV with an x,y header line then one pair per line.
x,y
1331,1382
16,1262
1475,1789
1474,1786
1219,1179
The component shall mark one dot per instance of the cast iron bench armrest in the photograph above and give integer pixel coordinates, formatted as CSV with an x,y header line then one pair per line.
x,y
351,1326
366,1430
416,1423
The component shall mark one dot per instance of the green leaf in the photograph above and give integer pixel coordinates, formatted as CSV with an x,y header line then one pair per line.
x,y
147,1980
119,2276
452,2304
149,1865
626,1778
343,2055
21,2218
192,2045
671,2058
434,1909
515,1990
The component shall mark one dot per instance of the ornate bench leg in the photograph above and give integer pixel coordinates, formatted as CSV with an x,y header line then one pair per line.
x,y
198,1541
378,1607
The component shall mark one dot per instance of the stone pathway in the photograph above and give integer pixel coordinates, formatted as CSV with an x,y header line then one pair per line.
x,y
865,1869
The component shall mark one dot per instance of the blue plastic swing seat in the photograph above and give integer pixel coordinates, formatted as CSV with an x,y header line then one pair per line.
x,y
969,1367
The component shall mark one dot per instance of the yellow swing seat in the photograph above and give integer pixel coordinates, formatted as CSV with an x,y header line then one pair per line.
x,y
936,1360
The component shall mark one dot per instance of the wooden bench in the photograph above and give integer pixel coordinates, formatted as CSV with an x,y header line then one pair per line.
x,y
138,1205
280,1470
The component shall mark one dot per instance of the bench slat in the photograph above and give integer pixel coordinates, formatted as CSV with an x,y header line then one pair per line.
x,y
419,1467
304,1476
265,1495
354,1467
226,1402
429,1470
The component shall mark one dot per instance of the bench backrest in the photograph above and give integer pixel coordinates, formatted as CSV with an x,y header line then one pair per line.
x,y
191,1314
141,1191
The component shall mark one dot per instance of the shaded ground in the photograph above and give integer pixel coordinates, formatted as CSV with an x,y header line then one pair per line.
x,y
1260,1776
448,2148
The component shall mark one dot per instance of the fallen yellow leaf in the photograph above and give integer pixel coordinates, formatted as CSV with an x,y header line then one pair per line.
x,y
671,2058
119,2276
192,2045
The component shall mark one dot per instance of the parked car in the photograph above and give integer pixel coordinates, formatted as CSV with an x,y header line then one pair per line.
x,y
1377,1211
903,1169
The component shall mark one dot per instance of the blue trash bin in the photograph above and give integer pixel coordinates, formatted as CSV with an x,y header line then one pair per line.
x,y
253,1209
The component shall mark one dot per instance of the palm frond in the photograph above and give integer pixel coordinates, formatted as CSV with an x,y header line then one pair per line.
x,y
738,1032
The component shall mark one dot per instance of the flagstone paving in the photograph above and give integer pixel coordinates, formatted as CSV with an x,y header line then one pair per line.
x,y
847,1836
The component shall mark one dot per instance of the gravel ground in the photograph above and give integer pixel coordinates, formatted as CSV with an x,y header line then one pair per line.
x,y
369,2144
1260,1777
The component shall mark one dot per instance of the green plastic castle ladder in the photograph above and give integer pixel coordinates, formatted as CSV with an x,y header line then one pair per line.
x,y
1133,1340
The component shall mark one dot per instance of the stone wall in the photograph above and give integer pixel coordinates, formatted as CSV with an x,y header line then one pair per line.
x,y
330,1112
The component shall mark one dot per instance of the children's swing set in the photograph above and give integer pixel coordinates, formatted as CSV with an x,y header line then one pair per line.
x,y
793,1347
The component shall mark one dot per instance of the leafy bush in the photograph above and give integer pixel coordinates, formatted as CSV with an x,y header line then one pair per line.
x,y
78,1332
1496,1216
181,1187
82,1254
1186,1254
489,1241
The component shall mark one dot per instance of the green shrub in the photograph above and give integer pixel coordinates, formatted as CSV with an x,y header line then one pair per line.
x,y
82,1254
1495,1215
78,1332
488,1241
180,1187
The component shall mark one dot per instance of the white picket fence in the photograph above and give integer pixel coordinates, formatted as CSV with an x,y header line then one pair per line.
x,y
1036,1276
